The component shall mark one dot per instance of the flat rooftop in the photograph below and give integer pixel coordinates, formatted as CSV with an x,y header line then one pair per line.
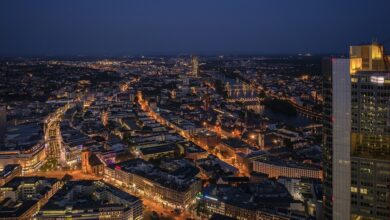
x,y
8,169
166,178
15,207
287,163
19,180
251,196
235,143
23,137
81,195
157,149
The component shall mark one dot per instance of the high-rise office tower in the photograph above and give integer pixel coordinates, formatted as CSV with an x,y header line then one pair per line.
x,y
370,145
195,66
357,135
336,141
370,133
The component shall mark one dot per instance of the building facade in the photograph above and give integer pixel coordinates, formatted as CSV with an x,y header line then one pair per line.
x,y
286,170
104,202
29,159
9,172
337,126
22,197
150,182
356,153
370,145
25,146
195,66
208,206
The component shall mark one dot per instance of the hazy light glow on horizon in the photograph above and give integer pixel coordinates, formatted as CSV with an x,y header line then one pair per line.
x,y
97,27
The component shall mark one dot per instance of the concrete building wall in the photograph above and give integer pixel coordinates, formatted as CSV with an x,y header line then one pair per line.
x,y
341,111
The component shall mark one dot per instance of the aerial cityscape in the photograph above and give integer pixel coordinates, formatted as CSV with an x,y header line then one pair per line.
x,y
97,131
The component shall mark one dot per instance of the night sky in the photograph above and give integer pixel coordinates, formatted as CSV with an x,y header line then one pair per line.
x,y
168,27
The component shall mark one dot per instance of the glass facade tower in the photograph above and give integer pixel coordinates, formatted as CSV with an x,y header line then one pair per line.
x,y
357,123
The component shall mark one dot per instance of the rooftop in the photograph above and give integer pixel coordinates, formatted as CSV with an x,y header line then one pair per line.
x,y
18,181
252,196
287,163
169,179
23,137
235,143
157,149
8,169
87,194
15,206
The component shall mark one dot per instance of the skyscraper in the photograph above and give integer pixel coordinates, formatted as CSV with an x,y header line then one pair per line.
x,y
370,134
357,135
336,150
195,66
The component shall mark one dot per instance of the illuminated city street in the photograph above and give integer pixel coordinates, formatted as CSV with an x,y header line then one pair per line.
x,y
194,110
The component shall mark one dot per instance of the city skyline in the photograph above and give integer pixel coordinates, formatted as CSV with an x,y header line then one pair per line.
x,y
195,110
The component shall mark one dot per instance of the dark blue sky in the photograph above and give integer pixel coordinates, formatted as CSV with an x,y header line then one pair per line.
x,y
126,27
